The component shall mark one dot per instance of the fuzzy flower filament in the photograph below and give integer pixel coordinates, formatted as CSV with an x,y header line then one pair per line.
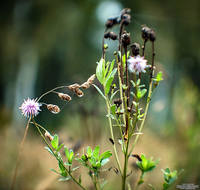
x,y
30,108
137,64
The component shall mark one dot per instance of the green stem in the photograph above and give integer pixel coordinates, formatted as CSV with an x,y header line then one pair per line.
x,y
140,181
112,135
43,137
148,99
19,155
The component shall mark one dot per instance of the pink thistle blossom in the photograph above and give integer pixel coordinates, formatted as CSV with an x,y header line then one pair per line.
x,y
137,64
30,108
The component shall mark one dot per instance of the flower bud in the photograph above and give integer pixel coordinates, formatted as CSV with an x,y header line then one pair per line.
x,y
65,97
146,32
48,135
125,11
111,22
126,40
91,79
152,36
53,108
85,85
135,47
73,87
79,92
110,35
126,18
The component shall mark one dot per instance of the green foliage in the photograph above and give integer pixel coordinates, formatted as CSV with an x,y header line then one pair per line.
x,y
69,155
105,73
146,165
157,79
55,141
93,159
169,178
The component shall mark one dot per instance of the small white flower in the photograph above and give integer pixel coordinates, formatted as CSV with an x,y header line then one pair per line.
x,y
30,108
137,64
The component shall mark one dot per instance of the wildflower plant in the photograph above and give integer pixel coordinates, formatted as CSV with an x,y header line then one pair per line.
x,y
123,90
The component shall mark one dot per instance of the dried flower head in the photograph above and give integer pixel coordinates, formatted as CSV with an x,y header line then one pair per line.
x,y
91,79
85,85
135,47
53,108
79,92
145,32
65,97
137,64
110,35
126,39
30,108
73,87
48,135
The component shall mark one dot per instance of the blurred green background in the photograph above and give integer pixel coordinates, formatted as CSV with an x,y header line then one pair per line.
x,y
44,44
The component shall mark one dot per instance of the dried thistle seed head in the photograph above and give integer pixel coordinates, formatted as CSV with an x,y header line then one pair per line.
x,y
126,18
73,87
53,108
79,92
118,102
135,48
85,85
152,36
91,79
126,39
48,135
65,97
125,11
111,22
110,35
145,32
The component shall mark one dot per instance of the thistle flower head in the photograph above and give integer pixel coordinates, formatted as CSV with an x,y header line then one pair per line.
x,y
137,64
30,108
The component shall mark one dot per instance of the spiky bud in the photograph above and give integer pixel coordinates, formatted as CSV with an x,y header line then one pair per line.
x,y
65,97
53,108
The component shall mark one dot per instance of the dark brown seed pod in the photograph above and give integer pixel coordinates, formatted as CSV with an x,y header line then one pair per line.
x,y
146,32
79,92
48,135
111,140
111,22
152,36
136,156
117,102
73,86
125,11
53,108
126,39
126,19
135,48
65,97
110,35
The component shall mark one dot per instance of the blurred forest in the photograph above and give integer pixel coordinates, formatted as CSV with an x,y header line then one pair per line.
x,y
44,44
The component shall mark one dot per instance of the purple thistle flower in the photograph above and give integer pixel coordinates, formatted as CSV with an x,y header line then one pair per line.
x,y
30,108
137,64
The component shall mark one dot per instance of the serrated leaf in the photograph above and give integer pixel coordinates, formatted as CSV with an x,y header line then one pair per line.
x,y
100,70
109,81
99,91
96,152
55,142
89,152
